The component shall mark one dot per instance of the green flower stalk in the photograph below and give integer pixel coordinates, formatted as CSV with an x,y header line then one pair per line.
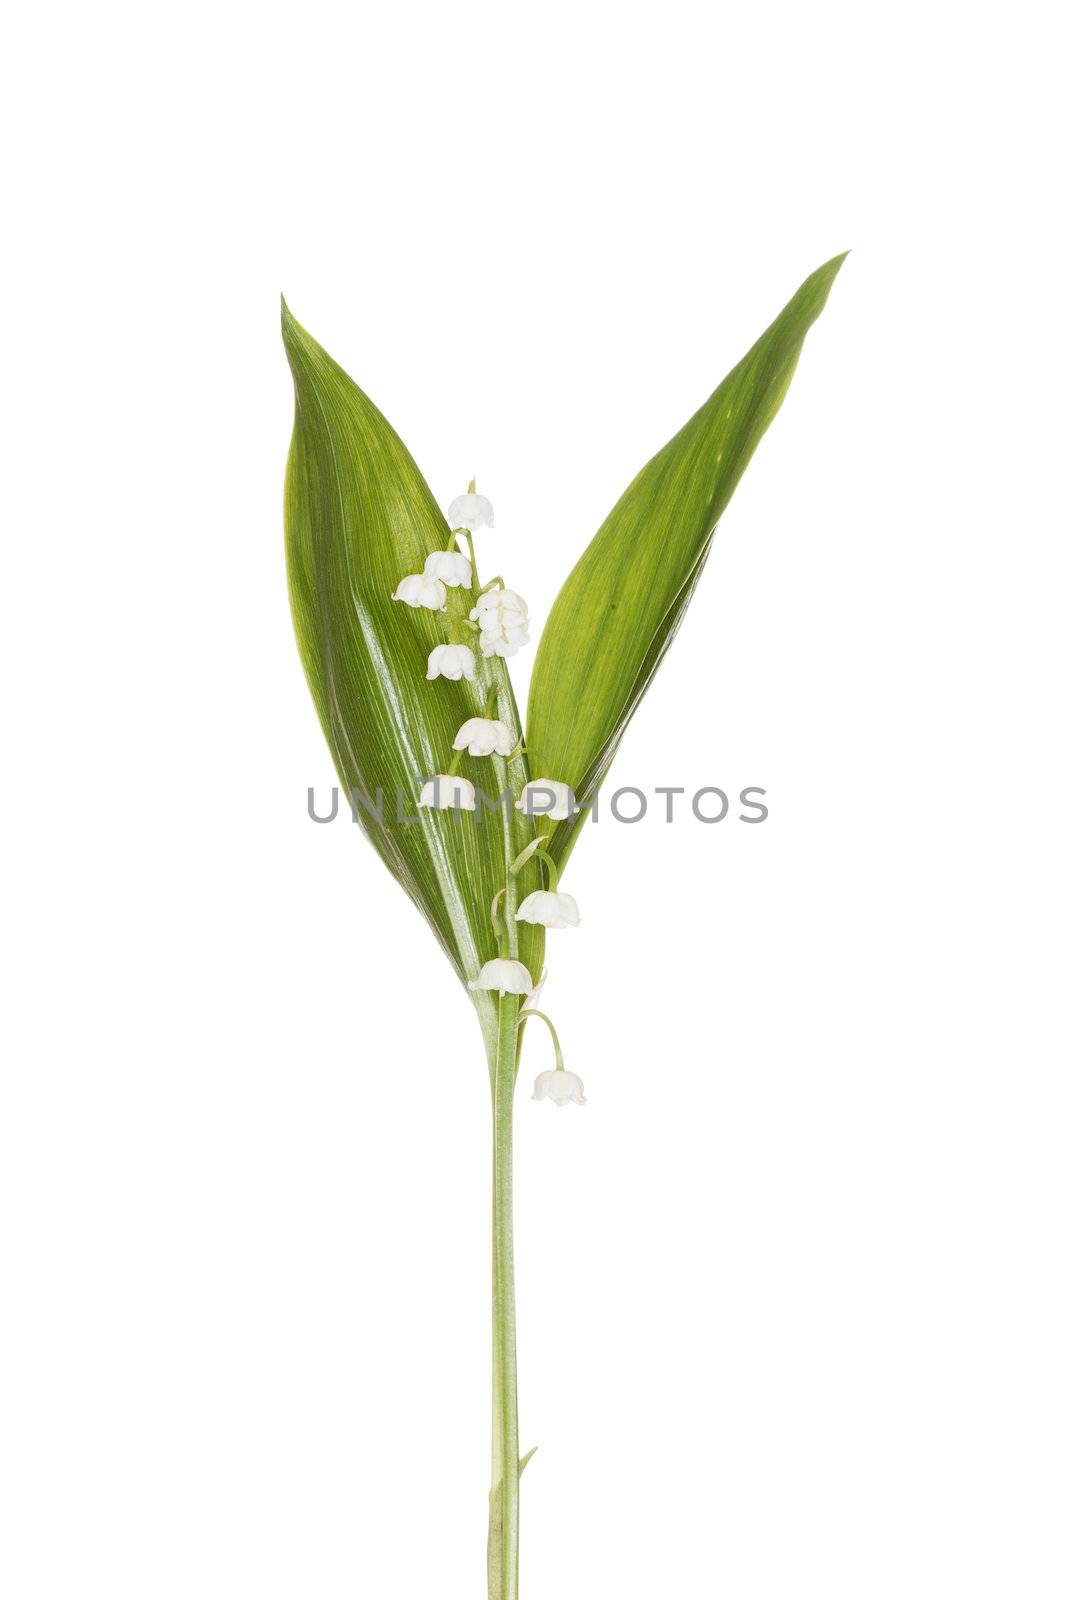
x,y
406,652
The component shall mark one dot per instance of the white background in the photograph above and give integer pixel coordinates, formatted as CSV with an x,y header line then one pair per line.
x,y
792,1297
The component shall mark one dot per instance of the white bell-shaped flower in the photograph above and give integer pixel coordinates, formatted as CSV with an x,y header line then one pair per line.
x,y
507,977
550,908
547,798
471,511
502,618
561,1087
419,590
484,736
451,661
446,792
449,567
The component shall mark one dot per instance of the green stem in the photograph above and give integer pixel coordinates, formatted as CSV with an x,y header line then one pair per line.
x,y
511,897
503,1543
470,554
552,1029
534,852
499,931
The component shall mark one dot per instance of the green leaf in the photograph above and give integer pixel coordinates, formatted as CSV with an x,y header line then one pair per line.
x,y
359,517
616,615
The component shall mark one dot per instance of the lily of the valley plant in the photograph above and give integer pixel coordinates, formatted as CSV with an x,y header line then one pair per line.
x,y
405,645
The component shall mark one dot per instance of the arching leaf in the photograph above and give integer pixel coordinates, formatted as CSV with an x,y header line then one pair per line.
x,y
359,517
618,611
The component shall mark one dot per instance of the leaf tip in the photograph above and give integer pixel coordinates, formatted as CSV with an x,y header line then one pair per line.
x,y
289,321
298,342
830,269
812,296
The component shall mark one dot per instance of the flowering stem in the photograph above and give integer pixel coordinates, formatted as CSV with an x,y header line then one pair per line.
x,y
503,1543
510,897
471,554
534,851
498,925
556,1037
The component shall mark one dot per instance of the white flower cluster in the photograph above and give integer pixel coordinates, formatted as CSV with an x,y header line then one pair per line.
x,y
501,614
503,626
502,618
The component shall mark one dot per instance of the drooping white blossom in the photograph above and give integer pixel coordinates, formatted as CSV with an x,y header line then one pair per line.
x,y
446,792
550,908
503,622
471,511
507,977
484,736
562,1088
419,590
450,567
547,798
451,661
